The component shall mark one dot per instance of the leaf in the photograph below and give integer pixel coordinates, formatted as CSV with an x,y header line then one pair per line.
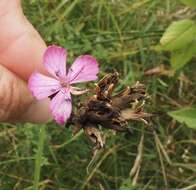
x,y
180,58
185,115
127,185
178,35
190,3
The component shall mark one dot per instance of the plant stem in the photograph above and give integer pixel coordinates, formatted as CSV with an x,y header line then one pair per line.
x,y
38,160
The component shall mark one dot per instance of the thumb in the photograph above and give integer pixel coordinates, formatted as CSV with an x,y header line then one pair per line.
x,y
16,102
21,46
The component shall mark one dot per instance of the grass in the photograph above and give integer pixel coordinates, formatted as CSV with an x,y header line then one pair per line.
x,y
122,35
38,158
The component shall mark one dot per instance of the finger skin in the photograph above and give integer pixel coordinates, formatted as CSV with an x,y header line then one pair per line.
x,y
16,102
21,47
21,52
6,5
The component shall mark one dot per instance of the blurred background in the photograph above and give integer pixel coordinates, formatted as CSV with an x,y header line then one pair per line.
x,y
123,35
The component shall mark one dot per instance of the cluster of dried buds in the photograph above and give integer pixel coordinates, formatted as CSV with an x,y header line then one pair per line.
x,y
109,109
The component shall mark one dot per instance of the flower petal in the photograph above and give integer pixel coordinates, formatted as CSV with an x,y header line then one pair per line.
x,y
85,68
42,86
55,61
61,106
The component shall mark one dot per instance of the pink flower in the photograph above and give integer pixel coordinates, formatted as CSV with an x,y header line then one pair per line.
x,y
59,85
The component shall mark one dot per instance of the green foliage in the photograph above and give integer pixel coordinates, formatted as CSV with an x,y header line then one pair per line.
x,y
181,57
190,3
179,39
38,157
185,115
178,35
127,185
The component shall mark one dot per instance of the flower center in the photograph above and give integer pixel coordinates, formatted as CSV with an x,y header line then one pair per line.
x,y
64,83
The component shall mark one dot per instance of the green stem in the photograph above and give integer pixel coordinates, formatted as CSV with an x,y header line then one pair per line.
x,y
38,160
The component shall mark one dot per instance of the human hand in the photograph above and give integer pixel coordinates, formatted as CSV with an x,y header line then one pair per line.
x,y
21,50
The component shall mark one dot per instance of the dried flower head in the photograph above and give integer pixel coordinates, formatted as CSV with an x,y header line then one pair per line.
x,y
109,110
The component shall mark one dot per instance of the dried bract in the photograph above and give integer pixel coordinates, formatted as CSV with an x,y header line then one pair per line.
x,y
110,110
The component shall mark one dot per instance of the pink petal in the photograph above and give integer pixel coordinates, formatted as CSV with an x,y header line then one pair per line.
x,y
61,106
55,61
85,68
42,86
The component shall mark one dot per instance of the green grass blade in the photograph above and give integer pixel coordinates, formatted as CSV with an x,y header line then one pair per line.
x,y
38,160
